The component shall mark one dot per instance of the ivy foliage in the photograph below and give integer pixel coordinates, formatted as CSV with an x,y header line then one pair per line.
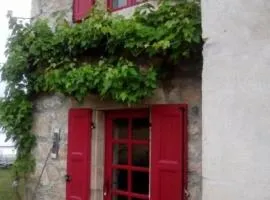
x,y
105,54
122,81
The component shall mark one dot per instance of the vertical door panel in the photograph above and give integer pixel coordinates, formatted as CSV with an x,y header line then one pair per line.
x,y
79,151
168,139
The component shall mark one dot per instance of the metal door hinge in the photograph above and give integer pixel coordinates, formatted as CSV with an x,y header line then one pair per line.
x,y
67,178
93,125
187,194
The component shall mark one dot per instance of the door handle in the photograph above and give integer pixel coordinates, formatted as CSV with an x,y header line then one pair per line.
x,y
67,178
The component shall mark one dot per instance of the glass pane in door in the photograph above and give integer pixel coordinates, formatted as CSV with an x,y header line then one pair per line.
x,y
120,129
140,155
140,129
140,182
118,197
120,179
120,154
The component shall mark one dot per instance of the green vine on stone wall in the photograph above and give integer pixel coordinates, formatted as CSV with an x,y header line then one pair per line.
x,y
108,55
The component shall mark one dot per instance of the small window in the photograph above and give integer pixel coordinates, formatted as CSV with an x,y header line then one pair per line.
x,y
81,9
114,5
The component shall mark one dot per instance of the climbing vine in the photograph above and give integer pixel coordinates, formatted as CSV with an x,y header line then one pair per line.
x,y
105,54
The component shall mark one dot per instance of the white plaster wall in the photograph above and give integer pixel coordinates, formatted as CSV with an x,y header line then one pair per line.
x,y
236,100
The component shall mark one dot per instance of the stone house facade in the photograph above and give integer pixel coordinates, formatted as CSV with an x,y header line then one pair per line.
x,y
228,110
117,161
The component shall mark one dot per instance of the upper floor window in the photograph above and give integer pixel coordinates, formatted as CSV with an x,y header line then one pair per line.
x,y
81,8
114,5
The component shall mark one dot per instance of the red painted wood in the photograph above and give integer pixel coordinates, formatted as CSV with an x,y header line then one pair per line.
x,y
133,168
81,8
168,143
134,195
124,141
79,151
109,141
129,155
135,113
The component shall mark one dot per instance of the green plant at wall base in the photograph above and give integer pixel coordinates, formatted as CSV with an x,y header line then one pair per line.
x,y
108,55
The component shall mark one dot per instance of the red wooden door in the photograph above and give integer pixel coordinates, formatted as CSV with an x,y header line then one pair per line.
x,y
79,151
168,146
127,155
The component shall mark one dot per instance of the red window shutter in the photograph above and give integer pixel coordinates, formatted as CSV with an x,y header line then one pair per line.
x,y
168,147
79,151
81,8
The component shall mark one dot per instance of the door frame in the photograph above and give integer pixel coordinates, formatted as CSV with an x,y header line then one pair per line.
x,y
109,116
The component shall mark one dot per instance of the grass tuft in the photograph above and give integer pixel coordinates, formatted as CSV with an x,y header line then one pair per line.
x,y
7,192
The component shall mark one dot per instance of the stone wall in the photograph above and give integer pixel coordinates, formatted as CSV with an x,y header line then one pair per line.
x,y
51,112
52,9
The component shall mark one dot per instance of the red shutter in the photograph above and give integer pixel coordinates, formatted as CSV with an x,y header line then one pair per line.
x,y
81,8
79,151
168,158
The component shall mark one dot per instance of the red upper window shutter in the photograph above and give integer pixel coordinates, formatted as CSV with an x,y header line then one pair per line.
x,y
81,8
79,154
168,147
